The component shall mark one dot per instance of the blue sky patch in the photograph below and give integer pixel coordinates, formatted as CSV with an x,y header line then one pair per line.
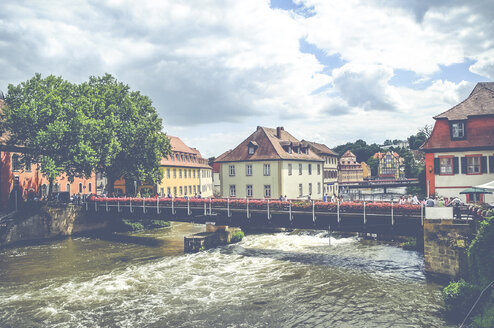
x,y
330,62
290,5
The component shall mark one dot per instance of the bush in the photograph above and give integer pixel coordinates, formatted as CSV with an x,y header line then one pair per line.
x,y
237,236
133,226
159,224
410,244
485,319
458,298
481,253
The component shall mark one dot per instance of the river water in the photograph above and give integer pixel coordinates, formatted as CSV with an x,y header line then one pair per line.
x,y
268,280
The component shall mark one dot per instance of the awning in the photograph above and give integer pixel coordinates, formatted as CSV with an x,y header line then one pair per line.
x,y
488,186
475,190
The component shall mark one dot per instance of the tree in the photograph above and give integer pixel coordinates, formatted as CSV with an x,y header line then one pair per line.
x,y
417,140
40,116
360,148
374,165
125,131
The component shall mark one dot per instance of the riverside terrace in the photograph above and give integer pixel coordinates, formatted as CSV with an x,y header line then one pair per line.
x,y
383,218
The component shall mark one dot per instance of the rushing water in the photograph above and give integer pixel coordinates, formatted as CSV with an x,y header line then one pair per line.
x,y
267,280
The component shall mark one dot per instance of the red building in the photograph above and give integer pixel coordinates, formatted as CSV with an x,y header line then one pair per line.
x,y
460,150
28,177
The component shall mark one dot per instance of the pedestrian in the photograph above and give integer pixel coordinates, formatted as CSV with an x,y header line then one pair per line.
x,y
325,198
415,200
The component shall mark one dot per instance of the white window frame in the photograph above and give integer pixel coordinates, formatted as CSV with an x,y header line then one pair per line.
x,y
248,170
249,191
473,165
267,191
289,169
231,170
300,169
267,169
458,130
300,190
233,191
309,168
446,165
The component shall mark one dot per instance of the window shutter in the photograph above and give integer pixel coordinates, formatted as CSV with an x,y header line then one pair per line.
x,y
464,165
491,164
437,166
483,164
455,165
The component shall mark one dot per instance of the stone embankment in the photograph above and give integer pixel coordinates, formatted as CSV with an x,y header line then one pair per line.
x,y
213,237
49,222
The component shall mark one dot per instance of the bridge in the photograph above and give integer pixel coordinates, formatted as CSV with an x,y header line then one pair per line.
x,y
379,184
379,218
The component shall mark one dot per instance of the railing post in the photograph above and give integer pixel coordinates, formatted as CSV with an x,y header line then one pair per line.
x,y
365,218
290,211
158,205
130,205
143,205
228,207
422,213
268,211
210,212
313,213
87,206
95,206
106,205
338,210
188,206
205,211
173,207
248,214
392,214
118,206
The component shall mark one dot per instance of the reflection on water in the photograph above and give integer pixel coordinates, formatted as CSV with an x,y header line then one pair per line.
x,y
267,280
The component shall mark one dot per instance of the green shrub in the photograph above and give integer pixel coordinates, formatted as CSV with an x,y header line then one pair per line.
x,y
237,236
410,244
159,224
458,298
133,226
481,253
485,319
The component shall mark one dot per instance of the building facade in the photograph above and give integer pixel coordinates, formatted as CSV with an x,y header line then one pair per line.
x,y
459,154
349,170
391,165
271,163
185,172
330,167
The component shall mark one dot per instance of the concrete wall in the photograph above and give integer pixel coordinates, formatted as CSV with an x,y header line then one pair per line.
x,y
445,247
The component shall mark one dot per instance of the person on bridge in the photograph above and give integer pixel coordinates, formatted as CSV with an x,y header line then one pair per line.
x,y
415,200
325,198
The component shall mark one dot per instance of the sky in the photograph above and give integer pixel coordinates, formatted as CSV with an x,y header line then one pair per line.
x,y
327,71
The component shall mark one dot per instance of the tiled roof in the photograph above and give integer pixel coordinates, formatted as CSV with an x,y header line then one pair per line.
x,y
183,155
381,155
270,143
321,149
479,102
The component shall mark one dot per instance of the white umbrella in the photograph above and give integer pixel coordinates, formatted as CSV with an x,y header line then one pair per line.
x,y
488,185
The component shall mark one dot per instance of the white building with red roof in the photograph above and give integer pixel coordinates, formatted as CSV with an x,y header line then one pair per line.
x,y
460,150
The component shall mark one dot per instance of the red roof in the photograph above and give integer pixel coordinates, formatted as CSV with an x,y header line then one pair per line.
x,y
269,144
183,155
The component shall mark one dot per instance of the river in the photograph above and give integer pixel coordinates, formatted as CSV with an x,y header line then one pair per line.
x,y
268,280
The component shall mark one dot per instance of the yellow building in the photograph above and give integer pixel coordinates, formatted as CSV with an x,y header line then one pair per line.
x,y
366,170
184,172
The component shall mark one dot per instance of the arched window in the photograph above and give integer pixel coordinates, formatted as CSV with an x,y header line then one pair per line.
x,y
80,187
90,187
68,187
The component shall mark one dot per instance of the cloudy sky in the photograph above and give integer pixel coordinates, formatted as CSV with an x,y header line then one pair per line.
x,y
328,71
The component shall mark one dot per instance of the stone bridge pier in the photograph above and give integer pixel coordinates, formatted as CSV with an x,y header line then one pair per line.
x,y
445,243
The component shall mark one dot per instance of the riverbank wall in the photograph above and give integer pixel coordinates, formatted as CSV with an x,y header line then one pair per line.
x,y
48,222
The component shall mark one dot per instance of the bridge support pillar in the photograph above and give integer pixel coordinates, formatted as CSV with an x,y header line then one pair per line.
x,y
445,243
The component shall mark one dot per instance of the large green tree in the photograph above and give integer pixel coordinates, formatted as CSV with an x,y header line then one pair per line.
x,y
99,125
360,148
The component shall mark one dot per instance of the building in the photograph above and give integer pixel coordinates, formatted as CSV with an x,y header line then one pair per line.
x,y
459,154
27,179
271,163
390,166
330,167
349,170
185,172
366,170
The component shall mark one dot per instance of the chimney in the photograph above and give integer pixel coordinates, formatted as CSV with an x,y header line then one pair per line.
x,y
278,131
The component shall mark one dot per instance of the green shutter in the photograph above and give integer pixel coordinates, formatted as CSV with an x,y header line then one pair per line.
x,y
464,165
437,166
483,164
455,165
491,164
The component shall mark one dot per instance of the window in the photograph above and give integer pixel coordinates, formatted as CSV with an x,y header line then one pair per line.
x,y
168,173
190,173
162,191
248,170
318,169
267,191
300,190
181,191
267,169
68,187
27,166
309,167
289,169
195,189
232,191
232,170
185,190
473,165
300,169
446,165
168,191
190,189
180,173
457,130
249,190
310,188
16,163
90,187
251,150
80,187
175,191
194,174
318,187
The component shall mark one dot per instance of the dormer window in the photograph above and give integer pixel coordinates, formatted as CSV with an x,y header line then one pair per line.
x,y
252,146
252,149
457,130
